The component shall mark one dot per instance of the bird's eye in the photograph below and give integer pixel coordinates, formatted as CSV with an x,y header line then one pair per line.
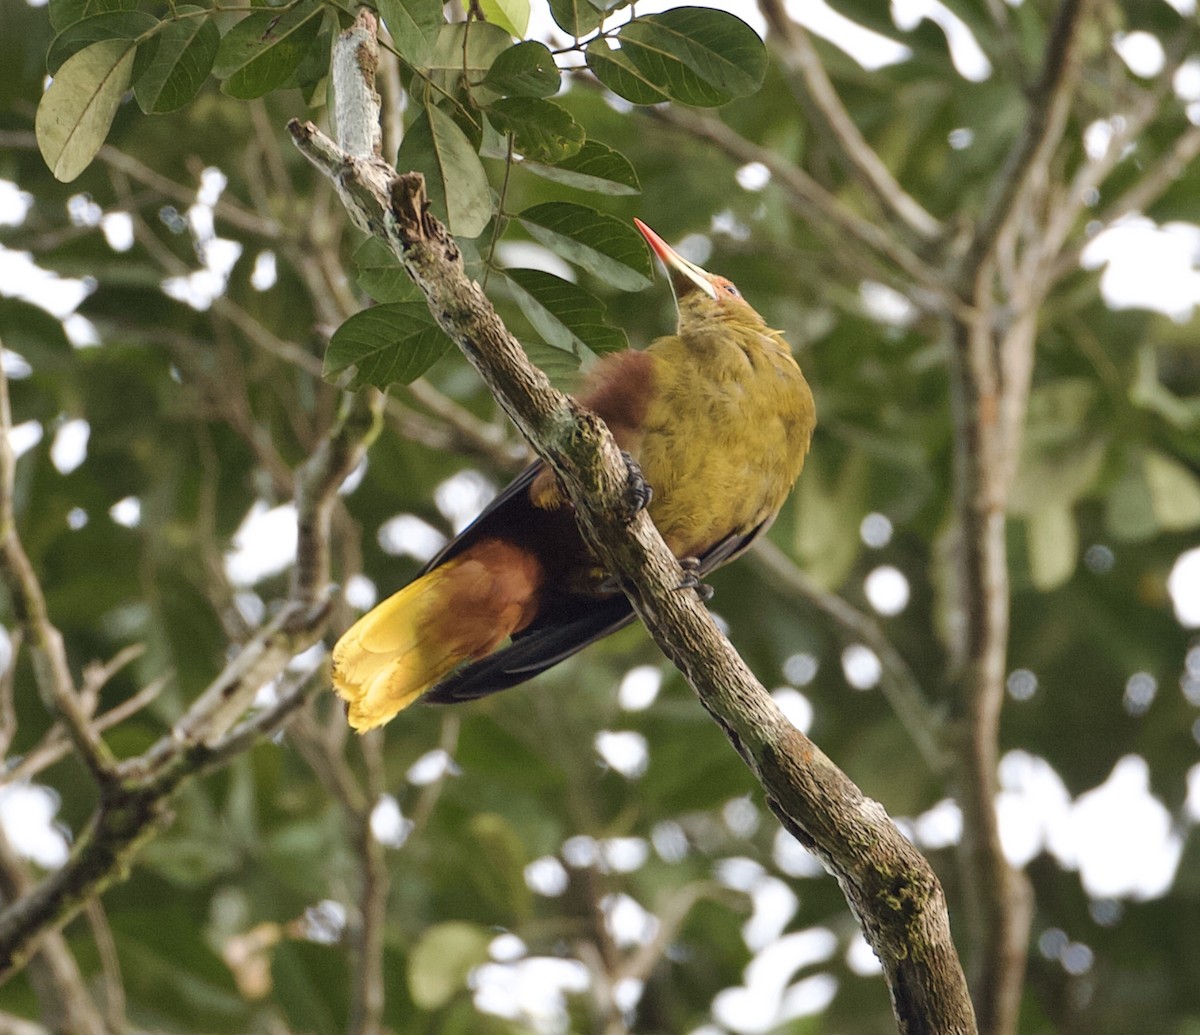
x,y
729,289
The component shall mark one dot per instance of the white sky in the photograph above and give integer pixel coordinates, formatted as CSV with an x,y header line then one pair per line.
x,y
1117,836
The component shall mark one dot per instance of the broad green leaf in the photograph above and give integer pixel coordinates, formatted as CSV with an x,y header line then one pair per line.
x,y
1129,508
564,314
454,176
440,962
718,47
380,274
186,51
614,69
526,70
1174,492
388,344
575,17
511,15
1053,540
414,25
560,366
498,863
448,64
645,47
261,52
115,25
75,113
602,244
542,130
831,501
68,12
595,167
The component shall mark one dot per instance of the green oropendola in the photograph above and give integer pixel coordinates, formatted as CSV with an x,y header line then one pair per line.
x,y
719,418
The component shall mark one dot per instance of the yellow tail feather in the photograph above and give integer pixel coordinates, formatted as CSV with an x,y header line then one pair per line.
x,y
387,659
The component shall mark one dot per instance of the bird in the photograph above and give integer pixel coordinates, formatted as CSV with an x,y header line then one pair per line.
x,y
718,417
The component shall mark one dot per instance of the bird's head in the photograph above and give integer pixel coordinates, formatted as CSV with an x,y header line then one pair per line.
x,y
699,295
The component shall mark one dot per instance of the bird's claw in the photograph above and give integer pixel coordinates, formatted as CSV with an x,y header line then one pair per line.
x,y
692,580
638,491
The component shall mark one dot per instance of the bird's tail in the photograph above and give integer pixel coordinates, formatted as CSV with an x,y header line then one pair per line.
x,y
462,609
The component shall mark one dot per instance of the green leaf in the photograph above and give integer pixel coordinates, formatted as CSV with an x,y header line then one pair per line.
x,y
454,176
261,52
718,47
600,243
448,64
614,69
440,962
186,51
414,25
595,167
68,12
575,17
498,863
511,15
1053,540
667,72
542,130
380,274
526,70
114,25
564,314
75,113
1174,492
390,343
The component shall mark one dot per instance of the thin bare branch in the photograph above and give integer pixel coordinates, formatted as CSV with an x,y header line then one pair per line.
x,y
51,669
838,223
925,726
866,166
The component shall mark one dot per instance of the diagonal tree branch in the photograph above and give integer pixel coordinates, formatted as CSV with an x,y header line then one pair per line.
x,y
888,884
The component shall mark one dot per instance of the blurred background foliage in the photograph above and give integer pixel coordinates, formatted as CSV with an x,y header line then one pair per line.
x,y
648,860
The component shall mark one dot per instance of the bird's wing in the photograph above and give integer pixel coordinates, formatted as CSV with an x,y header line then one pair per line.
x,y
575,622
542,645
492,515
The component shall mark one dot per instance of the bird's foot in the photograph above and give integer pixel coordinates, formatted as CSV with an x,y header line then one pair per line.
x,y
692,580
638,491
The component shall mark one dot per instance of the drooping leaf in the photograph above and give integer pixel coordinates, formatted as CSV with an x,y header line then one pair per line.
x,y
261,52
380,274
414,25
440,962
718,47
454,176
526,70
390,343
186,51
564,314
113,25
595,167
1174,492
542,130
75,113
575,17
1053,538
448,63
600,243
511,15
614,69
67,12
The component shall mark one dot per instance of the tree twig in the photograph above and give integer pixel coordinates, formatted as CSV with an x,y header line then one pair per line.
x,y
866,166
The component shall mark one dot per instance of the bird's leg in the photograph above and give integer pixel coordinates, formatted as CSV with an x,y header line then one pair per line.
x,y
638,491
691,578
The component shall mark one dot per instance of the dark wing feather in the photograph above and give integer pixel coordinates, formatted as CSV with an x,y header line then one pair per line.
x,y
513,495
541,646
566,626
